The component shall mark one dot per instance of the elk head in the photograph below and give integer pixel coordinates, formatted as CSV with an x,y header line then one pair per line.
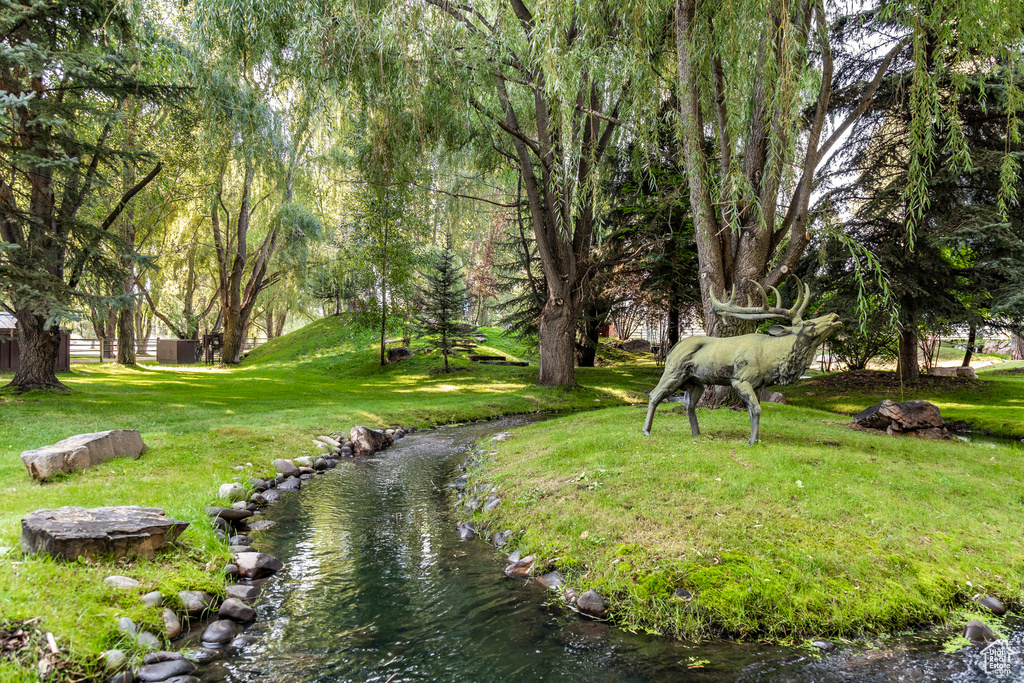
x,y
815,330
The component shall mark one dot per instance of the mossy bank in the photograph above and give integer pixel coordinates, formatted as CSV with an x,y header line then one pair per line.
x,y
819,530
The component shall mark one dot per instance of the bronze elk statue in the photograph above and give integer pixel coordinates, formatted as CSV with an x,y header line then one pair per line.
x,y
748,362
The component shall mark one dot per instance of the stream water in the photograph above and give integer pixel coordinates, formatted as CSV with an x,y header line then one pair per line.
x,y
378,587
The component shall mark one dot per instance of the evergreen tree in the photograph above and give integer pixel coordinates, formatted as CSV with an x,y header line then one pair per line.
x,y
442,301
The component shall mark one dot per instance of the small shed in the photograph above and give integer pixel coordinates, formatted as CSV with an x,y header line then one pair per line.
x,y
177,351
10,354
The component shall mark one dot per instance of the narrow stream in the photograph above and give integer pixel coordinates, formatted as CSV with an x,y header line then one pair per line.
x,y
377,586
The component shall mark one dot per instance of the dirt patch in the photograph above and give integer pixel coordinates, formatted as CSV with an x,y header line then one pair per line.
x,y
24,644
873,380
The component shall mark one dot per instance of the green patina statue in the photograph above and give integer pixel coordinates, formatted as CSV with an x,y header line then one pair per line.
x,y
748,362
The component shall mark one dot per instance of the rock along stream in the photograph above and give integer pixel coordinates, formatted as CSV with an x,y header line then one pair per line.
x,y
378,587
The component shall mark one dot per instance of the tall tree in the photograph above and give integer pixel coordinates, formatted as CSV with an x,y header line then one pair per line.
x,y
67,70
442,299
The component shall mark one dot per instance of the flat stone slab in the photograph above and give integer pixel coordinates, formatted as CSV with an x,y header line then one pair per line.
x,y
72,532
82,451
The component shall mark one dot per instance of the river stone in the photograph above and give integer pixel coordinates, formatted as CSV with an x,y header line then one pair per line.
x,y
153,599
230,514
238,539
161,656
993,605
242,641
304,471
172,625
242,592
73,532
236,610
271,496
258,485
492,502
682,594
161,671
239,549
366,441
321,464
231,491
304,461
501,538
257,565
124,583
113,659
290,484
592,604
82,451
123,677
262,525
467,532
258,498
126,625
196,602
148,641
183,679
979,632
285,467
551,580
520,569
823,645
220,632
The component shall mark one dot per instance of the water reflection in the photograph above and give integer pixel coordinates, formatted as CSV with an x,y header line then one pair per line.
x,y
378,587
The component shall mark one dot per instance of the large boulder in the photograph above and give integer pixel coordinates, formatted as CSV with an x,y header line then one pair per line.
x,y
72,532
397,354
82,451
637,345
366,441
919,418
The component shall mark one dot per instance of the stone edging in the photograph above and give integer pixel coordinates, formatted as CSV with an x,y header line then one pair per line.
x,y
249,569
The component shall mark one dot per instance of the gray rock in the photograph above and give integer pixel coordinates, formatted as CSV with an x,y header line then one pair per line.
x,y
241,549
331,463
172,625
366,441
321,464
126,625
682,594
258,485
492,502
767,396
240,505
979,632
113,659
73,532
236,610
148,641
231,570
161,656
823,645
290,484
124,583
154,599
551,580
304,461
238,539
123,677
467,532
501,538
183,679
231,491
637,346
398,354
82,451
285,467
262,525
242,592
259,499
230,514
257,565
592,604
221,632
272,496
196,602
993,605
520,569
161,671
306,476
242,641
920,418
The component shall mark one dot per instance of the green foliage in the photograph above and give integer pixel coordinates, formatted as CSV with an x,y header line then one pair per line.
x,y
441,301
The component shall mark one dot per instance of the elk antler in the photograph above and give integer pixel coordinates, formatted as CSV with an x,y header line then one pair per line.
x,y
764,311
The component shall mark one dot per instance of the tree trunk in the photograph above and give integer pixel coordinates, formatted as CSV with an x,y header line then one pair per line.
x,y
1016,346
234,335
909,366
971,335
38,348
279,324
557,341
126,334
673,321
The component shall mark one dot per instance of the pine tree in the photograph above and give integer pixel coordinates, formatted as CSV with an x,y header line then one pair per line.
x,y
442,301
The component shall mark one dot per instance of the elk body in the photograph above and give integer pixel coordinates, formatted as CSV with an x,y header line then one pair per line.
x,y
748,362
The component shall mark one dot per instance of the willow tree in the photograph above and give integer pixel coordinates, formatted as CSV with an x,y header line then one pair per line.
x,y
762,105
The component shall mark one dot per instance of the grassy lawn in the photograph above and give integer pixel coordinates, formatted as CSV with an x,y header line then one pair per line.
x,y
818,530
993,404
200,423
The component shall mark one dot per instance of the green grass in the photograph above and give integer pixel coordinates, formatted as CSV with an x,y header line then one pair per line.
x,y
819,530
202,422
994,404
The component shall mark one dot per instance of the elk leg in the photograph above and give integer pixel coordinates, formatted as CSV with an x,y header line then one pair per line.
x,y
749,396
666,387
690,398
